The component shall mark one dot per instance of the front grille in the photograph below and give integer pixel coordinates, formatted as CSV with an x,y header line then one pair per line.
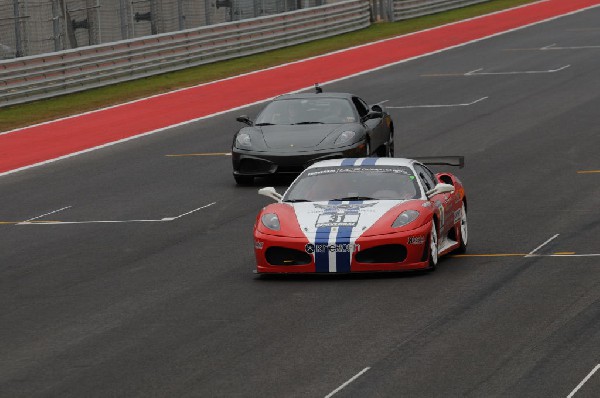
x,y
382,254
290,169
250,165
276,255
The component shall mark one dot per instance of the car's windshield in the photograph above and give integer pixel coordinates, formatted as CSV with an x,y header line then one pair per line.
x,y
354,183
307,111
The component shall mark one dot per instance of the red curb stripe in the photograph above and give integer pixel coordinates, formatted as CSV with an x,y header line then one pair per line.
x,y
45,142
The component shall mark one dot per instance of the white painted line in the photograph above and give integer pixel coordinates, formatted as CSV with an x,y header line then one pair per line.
x,y
46,214
477,72
553,47
302,89
437,106
346,383
195,210
531,253
584,381
166,219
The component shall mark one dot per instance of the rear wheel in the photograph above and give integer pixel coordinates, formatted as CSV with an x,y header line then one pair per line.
x,y
389,147
464,232
433,247
243,180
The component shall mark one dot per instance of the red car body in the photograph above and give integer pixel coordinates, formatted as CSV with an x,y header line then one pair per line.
x,y
359,233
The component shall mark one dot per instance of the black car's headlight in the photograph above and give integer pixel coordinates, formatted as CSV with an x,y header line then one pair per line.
x,y
243,140
406,217
345,137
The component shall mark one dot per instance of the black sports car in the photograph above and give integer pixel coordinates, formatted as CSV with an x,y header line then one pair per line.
x,y
295,130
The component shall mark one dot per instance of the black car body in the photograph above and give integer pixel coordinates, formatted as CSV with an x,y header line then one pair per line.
x,y
295,130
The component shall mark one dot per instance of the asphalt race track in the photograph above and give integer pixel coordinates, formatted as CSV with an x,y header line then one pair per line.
x,y
127,271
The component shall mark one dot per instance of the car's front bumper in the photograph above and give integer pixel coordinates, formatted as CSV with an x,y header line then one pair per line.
x,y
255,163
400,251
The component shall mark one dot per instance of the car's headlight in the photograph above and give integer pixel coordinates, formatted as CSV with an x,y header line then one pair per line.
x,y
243,139
406,217
345,137
271,221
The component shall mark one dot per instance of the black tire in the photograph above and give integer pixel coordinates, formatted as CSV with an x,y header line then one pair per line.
x,y
463,231
433,248
389,146
243,180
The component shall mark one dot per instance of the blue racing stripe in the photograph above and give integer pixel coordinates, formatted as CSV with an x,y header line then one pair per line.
x,y
369,162
322,257
348,162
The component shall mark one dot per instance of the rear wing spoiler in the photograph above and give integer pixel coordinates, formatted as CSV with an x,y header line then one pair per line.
x,y
458,161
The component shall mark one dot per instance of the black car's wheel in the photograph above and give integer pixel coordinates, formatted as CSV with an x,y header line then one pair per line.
x,y
389,147
243,180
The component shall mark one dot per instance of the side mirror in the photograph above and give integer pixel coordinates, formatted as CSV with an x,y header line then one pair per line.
x,y
245,119
377,108
440,188
270,192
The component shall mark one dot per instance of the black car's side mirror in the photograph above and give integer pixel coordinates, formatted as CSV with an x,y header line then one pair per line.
x,y
245,119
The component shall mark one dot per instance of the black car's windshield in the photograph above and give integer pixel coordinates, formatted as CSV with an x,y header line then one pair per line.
x,y
354,183
320,110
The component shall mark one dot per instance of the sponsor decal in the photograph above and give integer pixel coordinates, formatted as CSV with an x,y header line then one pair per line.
x,y
340,215
416,240
311,248
457,215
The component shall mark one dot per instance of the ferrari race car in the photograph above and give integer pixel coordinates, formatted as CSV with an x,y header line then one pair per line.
x,y
362,215
296,130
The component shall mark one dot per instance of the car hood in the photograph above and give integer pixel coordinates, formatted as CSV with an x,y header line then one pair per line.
x,y
298,136
325,217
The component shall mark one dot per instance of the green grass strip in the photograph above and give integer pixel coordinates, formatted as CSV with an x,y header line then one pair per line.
x,y
39,111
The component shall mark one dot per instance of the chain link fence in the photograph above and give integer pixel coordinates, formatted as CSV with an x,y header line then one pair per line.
x,y
31,27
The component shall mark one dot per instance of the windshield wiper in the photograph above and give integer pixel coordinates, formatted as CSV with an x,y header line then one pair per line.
x,y
309,123
296,200
264,124
354,198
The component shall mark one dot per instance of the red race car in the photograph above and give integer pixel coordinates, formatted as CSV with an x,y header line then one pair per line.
x,y
363,215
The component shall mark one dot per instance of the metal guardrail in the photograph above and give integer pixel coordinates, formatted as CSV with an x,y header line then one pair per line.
x,y
48,75
27,79
405,9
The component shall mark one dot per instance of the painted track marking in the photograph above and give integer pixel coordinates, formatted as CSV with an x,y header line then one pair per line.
x,y
47,214
584,381
356,376
165,219
531,253
477,72
438,106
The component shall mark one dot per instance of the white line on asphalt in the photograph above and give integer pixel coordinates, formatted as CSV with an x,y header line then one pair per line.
x,y
166,219
477,72
46,214
583,381
437,106
356,376
531,253
553,47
